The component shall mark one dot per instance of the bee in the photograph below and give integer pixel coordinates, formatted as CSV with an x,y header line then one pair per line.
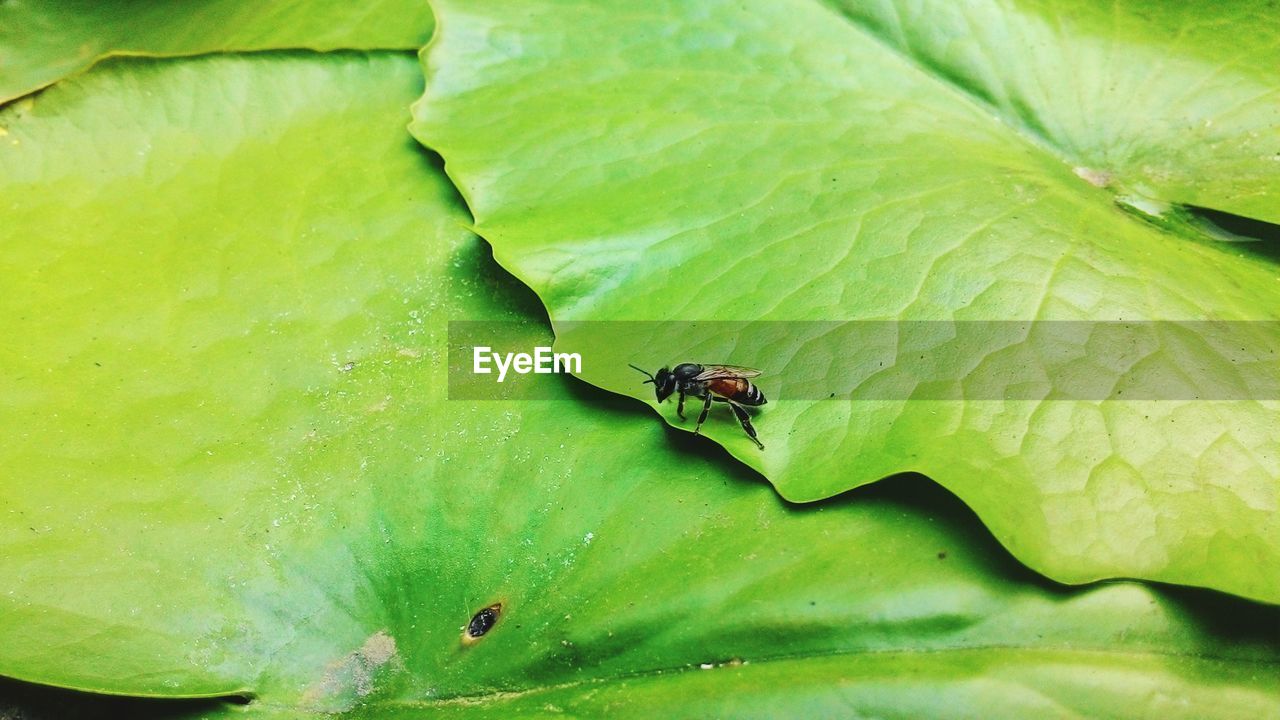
x,y
728,384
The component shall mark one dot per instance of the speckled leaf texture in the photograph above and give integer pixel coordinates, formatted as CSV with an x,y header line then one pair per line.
x,y
229,465
43,41
798,161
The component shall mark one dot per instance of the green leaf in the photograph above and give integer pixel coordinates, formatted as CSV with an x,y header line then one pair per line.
x,y
231,466
746,177
1178,101
43,41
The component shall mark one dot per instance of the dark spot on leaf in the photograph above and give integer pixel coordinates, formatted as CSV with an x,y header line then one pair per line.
x,y
942,555
482,622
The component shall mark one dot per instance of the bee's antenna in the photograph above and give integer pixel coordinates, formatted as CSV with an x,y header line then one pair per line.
x,y
646,372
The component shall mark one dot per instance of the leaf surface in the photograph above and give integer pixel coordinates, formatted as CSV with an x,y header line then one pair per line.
x,y
43,41
230,465
760,183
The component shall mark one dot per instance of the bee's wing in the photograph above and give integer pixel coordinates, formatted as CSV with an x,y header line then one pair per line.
x,y
716,372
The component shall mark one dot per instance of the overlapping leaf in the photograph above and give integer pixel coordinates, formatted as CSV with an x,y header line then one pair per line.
x,y
787,164
230,465
42,41
1171,103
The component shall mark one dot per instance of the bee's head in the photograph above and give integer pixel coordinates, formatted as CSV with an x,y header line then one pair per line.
x,y
664,383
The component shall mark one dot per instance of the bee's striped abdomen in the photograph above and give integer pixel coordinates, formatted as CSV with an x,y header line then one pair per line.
x,y
737,390
752,396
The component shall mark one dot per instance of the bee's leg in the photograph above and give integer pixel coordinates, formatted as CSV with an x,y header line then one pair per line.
x,y
702,417
745,419
680,407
